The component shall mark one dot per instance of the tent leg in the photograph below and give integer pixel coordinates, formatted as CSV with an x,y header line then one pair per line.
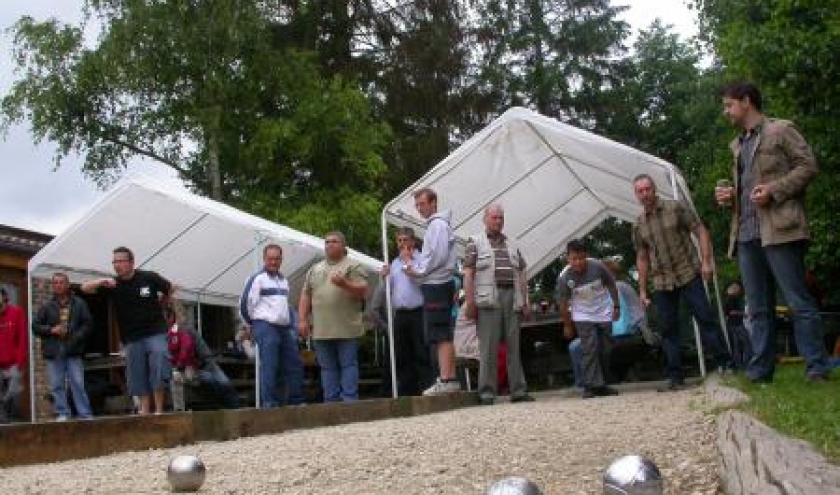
x,y
701,359
257,398
389,314
721,315
32,405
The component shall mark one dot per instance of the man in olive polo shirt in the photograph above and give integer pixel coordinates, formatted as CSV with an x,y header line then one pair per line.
x,y
330,310
665,253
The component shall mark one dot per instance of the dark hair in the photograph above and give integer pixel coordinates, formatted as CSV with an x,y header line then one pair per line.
x,y
739,90
125,250
644,177
575,246
61,275
427,192
270,247
406,231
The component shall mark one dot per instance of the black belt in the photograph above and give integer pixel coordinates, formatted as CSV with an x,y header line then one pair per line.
x,y
418,308
504,286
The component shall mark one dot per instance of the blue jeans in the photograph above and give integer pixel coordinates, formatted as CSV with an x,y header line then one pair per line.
x,y
278,349
147,365
70,369
339,362
762,268
212,376
667,310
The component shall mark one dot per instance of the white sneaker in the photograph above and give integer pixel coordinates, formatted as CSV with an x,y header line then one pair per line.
x,y
62,419
441,388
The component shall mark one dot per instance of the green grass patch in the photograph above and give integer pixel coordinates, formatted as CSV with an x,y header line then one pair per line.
x,y
797,408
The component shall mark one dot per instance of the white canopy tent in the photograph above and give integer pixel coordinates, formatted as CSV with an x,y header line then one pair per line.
x,y
206,248
556,183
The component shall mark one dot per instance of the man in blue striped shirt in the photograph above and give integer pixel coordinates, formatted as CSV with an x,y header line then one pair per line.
x,y
264,306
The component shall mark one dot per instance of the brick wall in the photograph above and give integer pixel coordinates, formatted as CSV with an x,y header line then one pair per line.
x,y
41,293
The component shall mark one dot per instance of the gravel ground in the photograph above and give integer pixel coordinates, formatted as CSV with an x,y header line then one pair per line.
x,y
562,444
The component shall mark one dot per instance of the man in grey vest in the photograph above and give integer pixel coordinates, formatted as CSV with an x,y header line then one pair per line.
x,y
496,290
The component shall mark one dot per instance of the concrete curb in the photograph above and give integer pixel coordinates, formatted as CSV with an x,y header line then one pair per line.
x,y
754,459
53,442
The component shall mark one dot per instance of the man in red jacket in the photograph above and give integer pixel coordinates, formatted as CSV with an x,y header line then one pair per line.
x,y
194,364
14,350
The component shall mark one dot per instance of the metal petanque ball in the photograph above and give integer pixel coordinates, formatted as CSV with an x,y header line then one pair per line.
x,y
515,485
633,475
186,473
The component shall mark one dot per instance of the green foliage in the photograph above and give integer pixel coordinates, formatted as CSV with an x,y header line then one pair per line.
x,y
555,56
668,106
326,210
312,112
810,411
417,59
789,49
209,88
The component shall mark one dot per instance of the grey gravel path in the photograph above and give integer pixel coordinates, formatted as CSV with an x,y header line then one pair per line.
x,y
563,444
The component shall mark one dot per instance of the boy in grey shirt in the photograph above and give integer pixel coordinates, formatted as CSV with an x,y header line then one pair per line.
x,y
588,302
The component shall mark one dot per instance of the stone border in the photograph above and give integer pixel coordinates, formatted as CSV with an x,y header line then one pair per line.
x,y
35,443
754,459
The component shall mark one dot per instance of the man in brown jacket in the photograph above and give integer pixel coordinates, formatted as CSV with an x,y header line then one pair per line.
x,y
769,233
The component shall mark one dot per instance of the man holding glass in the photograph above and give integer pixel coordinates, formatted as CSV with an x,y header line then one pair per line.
x,y
772,167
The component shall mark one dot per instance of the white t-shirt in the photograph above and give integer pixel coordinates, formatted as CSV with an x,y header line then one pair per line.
x,y
588,292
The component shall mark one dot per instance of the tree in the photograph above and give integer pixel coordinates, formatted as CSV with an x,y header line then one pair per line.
x,y
557,56
789,49
416,58
207,87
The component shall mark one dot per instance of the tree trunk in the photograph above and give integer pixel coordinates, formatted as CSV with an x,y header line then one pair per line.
x,y
214,167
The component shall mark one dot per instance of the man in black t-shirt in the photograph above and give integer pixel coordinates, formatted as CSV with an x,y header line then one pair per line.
x,y
138,297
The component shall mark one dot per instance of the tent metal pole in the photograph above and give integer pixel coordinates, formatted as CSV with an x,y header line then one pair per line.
x,y
239,258
199,321
389,315
31,338
257,399
480,210
173,239
540,264
716,289
700,354
721,314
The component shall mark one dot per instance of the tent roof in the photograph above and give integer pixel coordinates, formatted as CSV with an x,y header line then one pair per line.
x,y
556,182
206,248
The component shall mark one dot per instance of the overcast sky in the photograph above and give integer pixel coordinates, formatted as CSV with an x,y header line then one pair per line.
x,y
35,196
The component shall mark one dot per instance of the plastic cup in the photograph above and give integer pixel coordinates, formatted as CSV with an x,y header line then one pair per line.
x,y
724,183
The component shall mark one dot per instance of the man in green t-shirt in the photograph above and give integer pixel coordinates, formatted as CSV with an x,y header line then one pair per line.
x,y
331,312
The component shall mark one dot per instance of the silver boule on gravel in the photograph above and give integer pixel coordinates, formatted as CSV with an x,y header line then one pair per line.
x,y
515,485
633,475
186,473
